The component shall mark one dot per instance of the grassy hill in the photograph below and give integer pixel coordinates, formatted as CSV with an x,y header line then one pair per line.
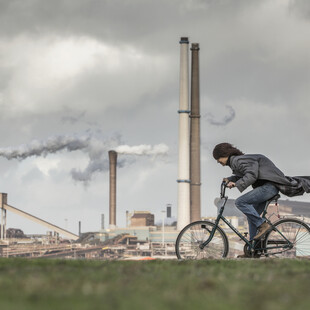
x,y
215,284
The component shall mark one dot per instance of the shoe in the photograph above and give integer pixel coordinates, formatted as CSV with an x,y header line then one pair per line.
x,y
262,230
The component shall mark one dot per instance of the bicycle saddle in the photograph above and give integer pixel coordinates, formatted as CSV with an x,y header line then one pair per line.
x,y
274,198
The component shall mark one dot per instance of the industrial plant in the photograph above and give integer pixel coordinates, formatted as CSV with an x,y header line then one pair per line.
x,y
143,237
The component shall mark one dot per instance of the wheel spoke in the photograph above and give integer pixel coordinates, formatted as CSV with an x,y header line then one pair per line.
x,y
190,238
298,235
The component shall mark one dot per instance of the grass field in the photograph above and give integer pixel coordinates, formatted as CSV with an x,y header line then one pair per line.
x,y
214,284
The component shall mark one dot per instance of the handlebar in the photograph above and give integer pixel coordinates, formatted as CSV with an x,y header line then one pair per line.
x,y
223,189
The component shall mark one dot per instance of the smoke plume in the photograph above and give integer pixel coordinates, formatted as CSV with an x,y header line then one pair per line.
x,y
225,120
96,149
42,148
159,149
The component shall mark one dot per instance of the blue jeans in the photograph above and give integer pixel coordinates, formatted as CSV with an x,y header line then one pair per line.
x,y
252,204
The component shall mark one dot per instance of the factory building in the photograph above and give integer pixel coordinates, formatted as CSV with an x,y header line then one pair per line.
x,y
143,234
142,225
142,218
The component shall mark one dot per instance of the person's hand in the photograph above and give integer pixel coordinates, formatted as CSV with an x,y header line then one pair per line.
x,y
231,184
226,180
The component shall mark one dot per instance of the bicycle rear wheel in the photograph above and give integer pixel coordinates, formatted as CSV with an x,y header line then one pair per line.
x,y
296,232
194,234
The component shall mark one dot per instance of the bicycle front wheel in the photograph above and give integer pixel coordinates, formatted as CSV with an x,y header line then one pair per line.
x,y
289,239
194,234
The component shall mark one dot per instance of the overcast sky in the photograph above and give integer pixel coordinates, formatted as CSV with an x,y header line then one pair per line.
x,y
110,69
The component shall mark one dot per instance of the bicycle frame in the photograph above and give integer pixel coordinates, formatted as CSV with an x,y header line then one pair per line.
x,y
252,245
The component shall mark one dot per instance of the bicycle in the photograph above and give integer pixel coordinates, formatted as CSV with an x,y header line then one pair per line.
x,y
287,238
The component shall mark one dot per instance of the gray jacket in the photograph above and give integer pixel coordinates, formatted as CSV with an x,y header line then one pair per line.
x,y
249,168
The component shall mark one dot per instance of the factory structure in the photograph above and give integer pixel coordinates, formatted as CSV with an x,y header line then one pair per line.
x,y
142,235
141,225
189,184
188,209
189,138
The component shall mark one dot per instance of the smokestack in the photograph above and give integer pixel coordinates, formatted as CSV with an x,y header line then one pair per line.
x,y
112,209
195,209
183,175
80,230
102,221
168,210
127,218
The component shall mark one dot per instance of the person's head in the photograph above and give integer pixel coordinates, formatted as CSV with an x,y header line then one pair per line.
x,y
222,151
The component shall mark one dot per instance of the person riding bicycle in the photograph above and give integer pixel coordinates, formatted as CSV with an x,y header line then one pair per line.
x,y
266,179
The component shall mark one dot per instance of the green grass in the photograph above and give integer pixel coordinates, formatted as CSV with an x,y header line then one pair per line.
x,y
215,284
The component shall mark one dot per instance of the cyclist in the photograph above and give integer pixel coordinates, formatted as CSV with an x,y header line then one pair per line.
x,y
266,179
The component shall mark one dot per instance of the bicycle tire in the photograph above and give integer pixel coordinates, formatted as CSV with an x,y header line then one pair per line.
x,y
194,234
296,231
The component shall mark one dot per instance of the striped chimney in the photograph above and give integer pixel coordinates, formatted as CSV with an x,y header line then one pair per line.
x,y
183,169
195,208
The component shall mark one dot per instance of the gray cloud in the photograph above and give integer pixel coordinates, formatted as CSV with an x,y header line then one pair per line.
x,y
67,66
74,117
108,20
300,7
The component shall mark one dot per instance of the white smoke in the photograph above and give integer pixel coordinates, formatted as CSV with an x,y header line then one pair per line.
x,y
96,149
143,149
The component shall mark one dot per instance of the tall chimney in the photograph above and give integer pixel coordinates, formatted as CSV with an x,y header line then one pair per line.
x,y
168,210
112,209
183,175
102,221
195,209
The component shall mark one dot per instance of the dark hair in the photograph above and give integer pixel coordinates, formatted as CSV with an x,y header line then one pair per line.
x,y
225,150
